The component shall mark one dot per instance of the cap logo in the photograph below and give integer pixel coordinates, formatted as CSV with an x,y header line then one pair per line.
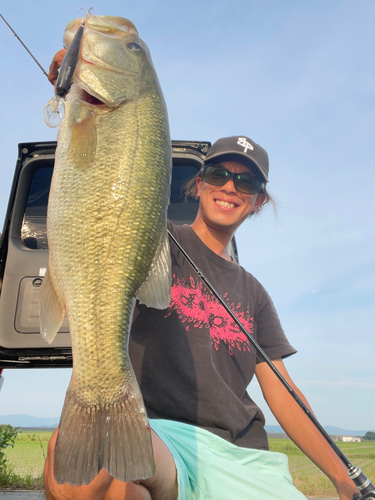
x,y
245,144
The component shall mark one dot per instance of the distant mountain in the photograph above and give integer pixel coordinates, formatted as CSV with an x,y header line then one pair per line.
x,y
27,421
344,432
274,429
332,431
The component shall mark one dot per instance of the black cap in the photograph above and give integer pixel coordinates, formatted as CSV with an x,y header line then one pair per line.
x,y
243,147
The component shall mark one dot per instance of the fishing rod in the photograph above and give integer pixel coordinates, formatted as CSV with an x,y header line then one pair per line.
x,y
364,485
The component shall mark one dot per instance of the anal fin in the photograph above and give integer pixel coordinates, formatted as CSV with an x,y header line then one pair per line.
x,y
51,310
84,138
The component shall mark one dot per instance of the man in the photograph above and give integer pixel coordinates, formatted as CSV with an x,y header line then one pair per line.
x,y
193,364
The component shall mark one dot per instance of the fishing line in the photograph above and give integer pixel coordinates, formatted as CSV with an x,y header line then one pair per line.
x,y
360,480
19,39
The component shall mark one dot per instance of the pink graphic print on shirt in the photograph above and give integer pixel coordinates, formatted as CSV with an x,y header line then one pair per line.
x,y
197,305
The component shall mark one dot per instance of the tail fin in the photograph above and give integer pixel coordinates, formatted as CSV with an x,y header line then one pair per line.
x,y
115,437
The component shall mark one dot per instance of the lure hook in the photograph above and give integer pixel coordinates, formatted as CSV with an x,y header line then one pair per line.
x,y
88,12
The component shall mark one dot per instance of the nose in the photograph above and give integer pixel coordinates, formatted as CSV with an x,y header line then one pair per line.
x,y
229,186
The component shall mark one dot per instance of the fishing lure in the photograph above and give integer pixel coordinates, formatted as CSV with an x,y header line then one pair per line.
x,y
54,110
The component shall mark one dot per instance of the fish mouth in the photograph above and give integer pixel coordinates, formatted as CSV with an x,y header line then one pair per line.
x,y
91,99
86,97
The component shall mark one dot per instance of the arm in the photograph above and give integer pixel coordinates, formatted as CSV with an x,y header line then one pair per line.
x,y
300,429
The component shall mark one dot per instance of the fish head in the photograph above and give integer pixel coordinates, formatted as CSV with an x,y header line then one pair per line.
x,y
114,64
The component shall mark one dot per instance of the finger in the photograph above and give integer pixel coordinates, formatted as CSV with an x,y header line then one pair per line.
x,y
55,65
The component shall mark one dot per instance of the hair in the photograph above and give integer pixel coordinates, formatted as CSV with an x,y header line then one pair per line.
x,y
191,190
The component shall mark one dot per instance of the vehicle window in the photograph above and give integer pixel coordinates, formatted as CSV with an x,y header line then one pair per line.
x,y
34,229
179,211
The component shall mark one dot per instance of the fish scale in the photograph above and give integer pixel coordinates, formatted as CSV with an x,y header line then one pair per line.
x,y
108,245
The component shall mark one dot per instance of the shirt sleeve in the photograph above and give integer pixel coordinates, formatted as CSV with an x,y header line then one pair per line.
x,y
270,334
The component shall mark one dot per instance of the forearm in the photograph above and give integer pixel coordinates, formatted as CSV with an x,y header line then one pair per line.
x,y
301,430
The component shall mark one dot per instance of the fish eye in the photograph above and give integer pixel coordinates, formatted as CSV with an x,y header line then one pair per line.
x,y
134,46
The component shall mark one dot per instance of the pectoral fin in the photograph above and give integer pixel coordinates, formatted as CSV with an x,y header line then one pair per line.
x,y
51,310
84,140
156,290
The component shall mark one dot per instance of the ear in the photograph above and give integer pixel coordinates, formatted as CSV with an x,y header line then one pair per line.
x,y
260,199
199,186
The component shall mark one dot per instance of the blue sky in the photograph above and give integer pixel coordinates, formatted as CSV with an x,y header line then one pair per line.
x,y
296,76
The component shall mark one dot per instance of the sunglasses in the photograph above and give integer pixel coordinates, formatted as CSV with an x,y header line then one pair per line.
x,y
244,182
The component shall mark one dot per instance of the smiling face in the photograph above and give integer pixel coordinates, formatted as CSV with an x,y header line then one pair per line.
x,y
224,208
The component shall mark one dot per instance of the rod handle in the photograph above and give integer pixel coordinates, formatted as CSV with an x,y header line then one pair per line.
x,y
361,481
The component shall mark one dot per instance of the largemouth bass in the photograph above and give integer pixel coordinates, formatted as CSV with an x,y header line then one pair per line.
x,y
108,245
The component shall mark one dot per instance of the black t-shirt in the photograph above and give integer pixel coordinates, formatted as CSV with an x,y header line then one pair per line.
x,y
192,362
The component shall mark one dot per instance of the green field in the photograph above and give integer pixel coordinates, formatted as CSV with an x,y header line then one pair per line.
x,y
309,479
28,455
